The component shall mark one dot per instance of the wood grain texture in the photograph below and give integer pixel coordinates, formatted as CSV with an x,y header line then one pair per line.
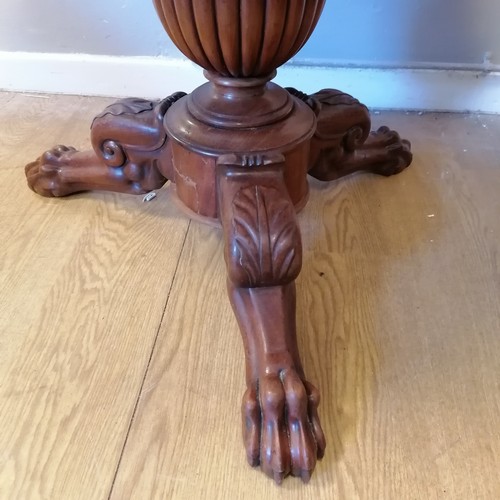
x,y
398,321
77,320
398,324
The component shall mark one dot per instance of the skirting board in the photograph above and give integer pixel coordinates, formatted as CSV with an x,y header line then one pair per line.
x,y
152,77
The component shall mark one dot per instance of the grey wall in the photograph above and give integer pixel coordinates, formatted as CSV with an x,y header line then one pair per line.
x,y
366,32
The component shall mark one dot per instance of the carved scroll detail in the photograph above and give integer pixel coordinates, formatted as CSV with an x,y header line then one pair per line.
x,y
343,144
131,131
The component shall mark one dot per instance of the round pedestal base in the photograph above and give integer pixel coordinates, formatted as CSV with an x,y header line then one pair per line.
x,y
197,145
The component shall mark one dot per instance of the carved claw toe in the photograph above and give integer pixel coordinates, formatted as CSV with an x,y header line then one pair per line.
x,y
398,151
314,400
383,136
282,432
55,154
43,174
251,426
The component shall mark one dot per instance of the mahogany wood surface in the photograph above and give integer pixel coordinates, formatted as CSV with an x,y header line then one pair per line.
x,y
239,149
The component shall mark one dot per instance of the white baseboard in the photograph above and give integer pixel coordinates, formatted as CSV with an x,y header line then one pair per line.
x,y
151,77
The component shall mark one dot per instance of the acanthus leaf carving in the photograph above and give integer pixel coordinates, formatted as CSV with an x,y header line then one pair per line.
x,y
266,242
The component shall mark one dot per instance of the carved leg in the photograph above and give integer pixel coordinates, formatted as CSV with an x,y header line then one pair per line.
x,y
263,253
343,143
131,153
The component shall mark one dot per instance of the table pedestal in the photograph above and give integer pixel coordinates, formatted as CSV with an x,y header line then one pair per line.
x,y
238,150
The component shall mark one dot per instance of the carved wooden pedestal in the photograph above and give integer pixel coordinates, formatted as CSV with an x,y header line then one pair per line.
x,y
239,149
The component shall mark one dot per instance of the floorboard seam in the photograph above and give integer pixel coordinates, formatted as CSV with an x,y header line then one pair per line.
x,y
146,371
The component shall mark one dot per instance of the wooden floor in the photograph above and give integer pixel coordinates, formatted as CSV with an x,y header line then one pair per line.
x,y
121,368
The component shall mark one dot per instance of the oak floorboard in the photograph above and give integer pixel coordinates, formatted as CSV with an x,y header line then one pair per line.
x,y
83,286
117,377
398,320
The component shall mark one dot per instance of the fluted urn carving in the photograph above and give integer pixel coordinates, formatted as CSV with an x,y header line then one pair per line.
x,y
239,38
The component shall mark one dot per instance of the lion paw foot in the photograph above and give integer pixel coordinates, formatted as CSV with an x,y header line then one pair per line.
x,y
281,427
44,174
397,151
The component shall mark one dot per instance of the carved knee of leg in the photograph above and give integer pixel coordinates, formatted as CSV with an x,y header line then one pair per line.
x,y
130,134
343,126
262,238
